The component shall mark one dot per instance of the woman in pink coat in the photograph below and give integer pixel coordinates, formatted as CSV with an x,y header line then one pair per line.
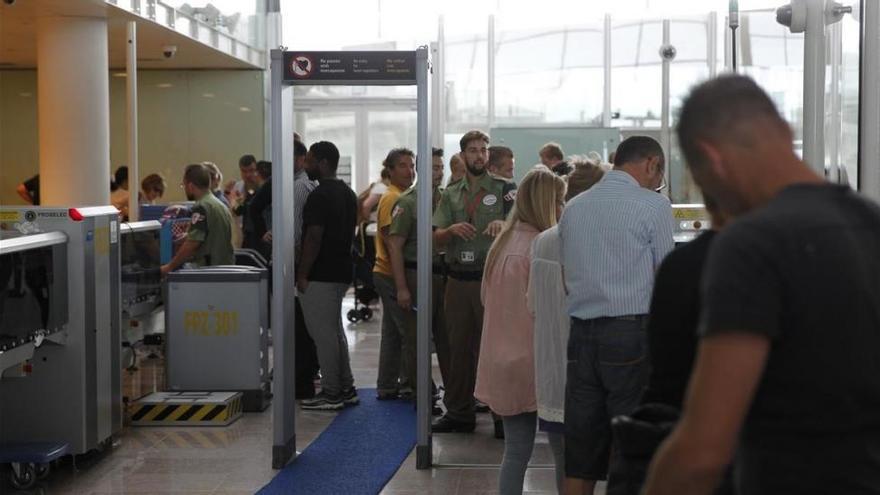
x,y
506,370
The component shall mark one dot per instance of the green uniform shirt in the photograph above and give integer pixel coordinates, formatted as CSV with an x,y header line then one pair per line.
x,y
212,226
403,222
491,199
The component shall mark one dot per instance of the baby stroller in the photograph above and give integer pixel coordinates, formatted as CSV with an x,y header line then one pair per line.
x,y
364,255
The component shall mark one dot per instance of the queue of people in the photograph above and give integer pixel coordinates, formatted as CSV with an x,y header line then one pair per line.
x,y
739,363
742,362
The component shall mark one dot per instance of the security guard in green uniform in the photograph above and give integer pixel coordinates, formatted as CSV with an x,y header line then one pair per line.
x,y
209,239
402,242
470,214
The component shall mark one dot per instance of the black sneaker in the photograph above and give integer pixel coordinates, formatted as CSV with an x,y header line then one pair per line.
x,y
480,407
387,395
448,425
350,397
323,402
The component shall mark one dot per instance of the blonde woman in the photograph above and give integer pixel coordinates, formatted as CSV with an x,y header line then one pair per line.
x,y
506,370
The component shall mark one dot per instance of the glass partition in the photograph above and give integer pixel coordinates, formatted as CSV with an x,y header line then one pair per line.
x,y
636,74
549,75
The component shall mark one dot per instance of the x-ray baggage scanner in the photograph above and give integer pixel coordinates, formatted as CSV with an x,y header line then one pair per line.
x,y
73,392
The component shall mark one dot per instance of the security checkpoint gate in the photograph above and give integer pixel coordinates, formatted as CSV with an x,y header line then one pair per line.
x,y
361,68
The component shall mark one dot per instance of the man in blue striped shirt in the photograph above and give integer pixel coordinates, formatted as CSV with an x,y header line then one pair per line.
x,y
614,237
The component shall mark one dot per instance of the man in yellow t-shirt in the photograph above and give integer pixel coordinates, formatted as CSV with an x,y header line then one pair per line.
x,y
397,352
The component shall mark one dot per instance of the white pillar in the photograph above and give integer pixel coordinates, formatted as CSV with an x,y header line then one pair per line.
x,y
74,111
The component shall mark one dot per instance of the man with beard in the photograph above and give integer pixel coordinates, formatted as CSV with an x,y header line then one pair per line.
x,y
209,239
470,214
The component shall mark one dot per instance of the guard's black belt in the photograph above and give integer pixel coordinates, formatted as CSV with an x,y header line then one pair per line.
x,y
472,276
436,269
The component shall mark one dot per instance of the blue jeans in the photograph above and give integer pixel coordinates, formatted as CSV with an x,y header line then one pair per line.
x,y
606,375
519,442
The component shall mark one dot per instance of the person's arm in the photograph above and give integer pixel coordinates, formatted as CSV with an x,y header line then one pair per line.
x,y
24,194
394,244
368,205
184,253
694,457
444,229
310,248
663,229
195,236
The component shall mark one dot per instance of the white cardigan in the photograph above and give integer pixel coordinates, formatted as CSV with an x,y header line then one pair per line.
x,y
547,302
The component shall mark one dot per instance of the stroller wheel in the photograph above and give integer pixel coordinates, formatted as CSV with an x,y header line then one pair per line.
x,y
366,313
353,315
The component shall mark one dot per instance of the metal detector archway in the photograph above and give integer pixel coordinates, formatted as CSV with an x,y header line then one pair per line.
x,y
368,68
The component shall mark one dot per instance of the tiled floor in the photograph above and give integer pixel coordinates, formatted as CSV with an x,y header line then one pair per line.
x,y
237,459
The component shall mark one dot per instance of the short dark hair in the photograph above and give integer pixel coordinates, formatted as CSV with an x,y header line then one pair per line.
x,y
247,161
396,154
121,175
715,110
498,153
197,175
552,150
474,135
437,152
635,148
264,168
299,149
326,151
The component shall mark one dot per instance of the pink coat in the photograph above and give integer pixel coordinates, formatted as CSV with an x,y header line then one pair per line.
x,y
506,370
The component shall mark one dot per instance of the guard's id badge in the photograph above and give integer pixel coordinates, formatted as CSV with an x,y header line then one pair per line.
x,y
467,257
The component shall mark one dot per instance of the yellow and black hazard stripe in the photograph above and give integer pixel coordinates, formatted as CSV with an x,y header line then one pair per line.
x,y
170,414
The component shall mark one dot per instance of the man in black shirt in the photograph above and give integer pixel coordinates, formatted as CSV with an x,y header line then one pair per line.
x,y
324,274
788,368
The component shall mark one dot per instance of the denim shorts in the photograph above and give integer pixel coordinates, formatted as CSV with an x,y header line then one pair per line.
x,y
606,375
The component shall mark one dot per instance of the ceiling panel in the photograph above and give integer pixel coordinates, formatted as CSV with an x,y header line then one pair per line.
x,y
18,37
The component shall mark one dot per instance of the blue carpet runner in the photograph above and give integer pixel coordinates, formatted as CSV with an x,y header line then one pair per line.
x,y
357,454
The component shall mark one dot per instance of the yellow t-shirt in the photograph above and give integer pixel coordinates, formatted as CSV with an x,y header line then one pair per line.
x,y
383,221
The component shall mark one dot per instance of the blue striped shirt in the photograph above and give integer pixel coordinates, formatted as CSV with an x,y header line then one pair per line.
x,y
614,237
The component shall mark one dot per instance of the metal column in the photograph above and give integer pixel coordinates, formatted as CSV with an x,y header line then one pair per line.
x,y
438,88
425,274
131,128
814,86
490,88
665,138
869,104
835,119
283,319
712,44
606,64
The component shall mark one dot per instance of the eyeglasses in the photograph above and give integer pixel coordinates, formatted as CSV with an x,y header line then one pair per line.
x,y
662,185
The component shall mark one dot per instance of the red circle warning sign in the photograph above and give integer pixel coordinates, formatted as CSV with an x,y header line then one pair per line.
x,y
302,66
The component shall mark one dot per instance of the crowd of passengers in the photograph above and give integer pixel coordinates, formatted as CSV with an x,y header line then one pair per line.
x,y
746,361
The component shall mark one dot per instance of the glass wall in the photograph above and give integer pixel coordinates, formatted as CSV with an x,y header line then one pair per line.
x,y
548,65
551,75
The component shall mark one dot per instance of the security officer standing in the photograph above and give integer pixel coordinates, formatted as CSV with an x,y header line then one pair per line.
x,y
470,214
209,239
402,242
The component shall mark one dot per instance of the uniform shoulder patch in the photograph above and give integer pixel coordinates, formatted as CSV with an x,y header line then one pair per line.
x,y
198,215
397,211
